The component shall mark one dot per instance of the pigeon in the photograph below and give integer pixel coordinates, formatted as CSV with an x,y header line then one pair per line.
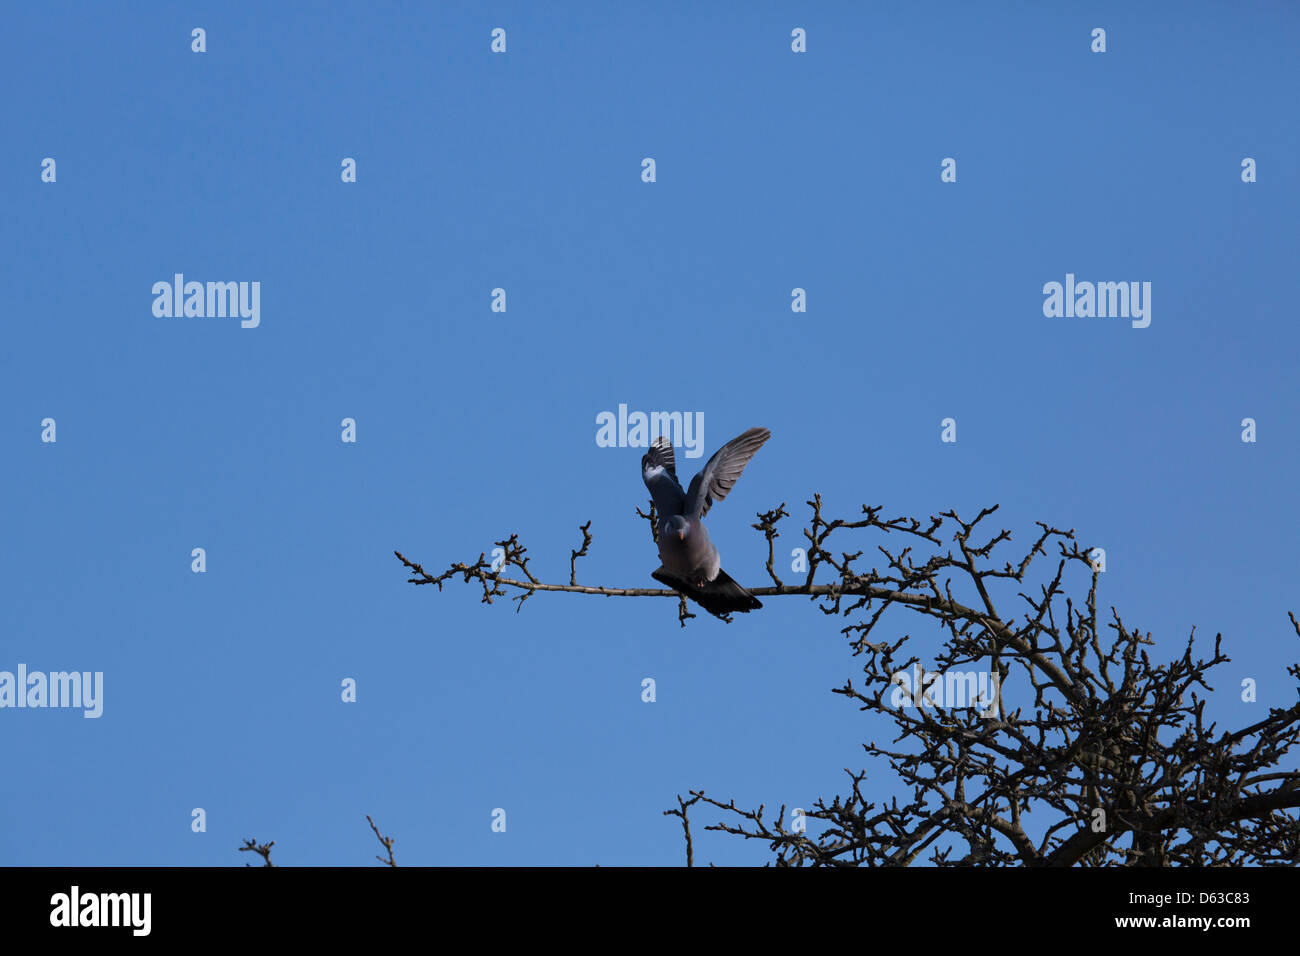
x,y
690,561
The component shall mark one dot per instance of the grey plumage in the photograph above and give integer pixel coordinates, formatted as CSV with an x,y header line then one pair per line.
x,y
691,564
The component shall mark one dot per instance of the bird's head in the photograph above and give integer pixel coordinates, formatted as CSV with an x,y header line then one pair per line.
x,y
679,526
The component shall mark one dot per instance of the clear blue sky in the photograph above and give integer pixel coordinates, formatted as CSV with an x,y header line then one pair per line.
x,y
775,170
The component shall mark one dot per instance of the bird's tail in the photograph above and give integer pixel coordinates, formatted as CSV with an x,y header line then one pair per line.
x,y
720,596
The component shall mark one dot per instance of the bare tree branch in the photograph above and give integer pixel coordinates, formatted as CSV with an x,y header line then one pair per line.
x,y
1106,757
386,841
683,806
262,849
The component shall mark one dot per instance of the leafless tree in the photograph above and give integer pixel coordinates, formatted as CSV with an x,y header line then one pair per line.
x,y
264,849
261,849
1107,759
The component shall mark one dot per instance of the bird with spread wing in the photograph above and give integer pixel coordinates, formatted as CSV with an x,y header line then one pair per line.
x,y
691,565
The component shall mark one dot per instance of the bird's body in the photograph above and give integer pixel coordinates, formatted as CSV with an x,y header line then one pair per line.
x,y
691,564
691,557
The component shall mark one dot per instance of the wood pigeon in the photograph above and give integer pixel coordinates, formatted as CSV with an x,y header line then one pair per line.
x,y
691,565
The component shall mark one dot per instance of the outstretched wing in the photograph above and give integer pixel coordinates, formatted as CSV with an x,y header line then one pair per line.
x,y
659,471
720,596
718,477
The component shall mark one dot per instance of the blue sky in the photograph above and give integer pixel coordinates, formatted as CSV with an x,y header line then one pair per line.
x,y
522,171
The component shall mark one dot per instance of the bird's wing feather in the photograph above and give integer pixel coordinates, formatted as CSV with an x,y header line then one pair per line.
x,y
659,472
718,477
